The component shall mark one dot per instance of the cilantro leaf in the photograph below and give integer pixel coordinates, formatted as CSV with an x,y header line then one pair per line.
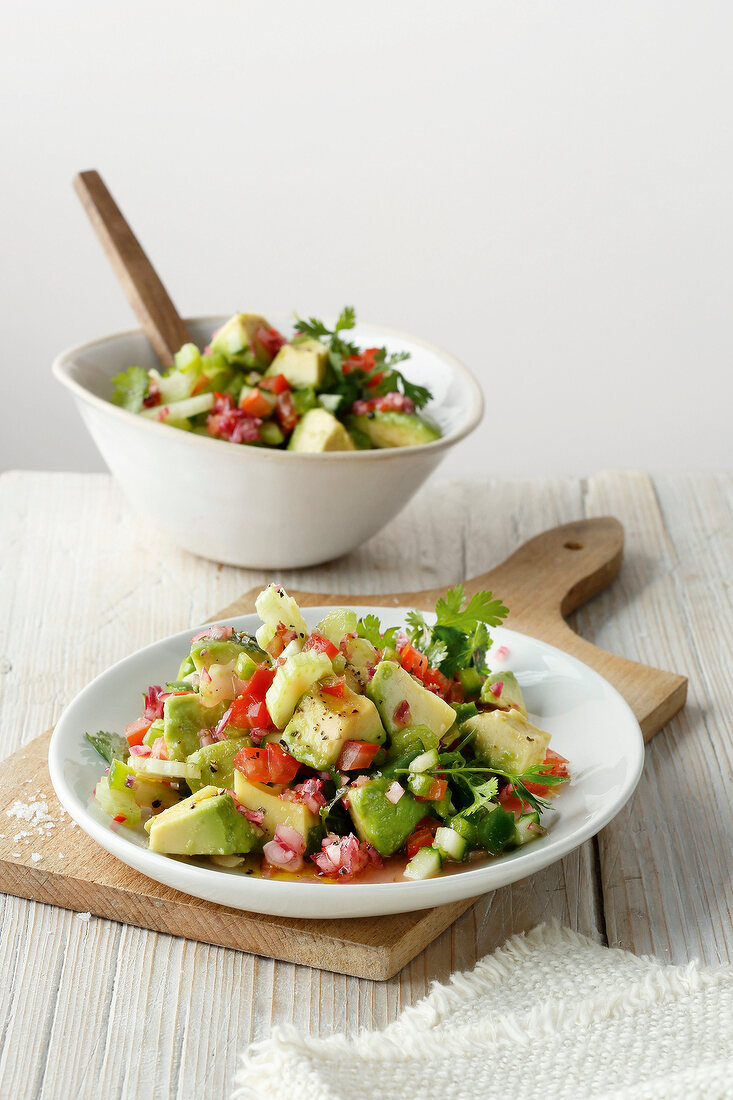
x,y
418,630
481,793
346,319
370,628
131,388
481,608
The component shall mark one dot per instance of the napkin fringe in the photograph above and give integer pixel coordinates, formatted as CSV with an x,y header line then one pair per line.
x,y
410,1036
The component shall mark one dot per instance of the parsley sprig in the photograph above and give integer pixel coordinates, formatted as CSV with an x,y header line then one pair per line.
x,y
460,637
354,385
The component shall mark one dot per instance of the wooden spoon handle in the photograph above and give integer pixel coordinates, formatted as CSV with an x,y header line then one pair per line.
x,y
145,292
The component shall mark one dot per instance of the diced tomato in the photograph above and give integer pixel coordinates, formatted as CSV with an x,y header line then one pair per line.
x,y
247,712
456,693
276,646
356,755
252,763
285,410
413,661
363,361
268,342
254,404
281,765
436,791
335,687
137,730
508,799
422,837
375,379
554,765
160,749
278,383
434,680
268,764
259,682
320,644
201,384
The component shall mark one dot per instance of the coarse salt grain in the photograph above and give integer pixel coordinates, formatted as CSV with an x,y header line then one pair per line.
x,y
61,855
36,856
35,812
84,916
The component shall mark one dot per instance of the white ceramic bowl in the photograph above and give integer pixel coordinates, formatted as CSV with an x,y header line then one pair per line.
x,y
589,722
254,506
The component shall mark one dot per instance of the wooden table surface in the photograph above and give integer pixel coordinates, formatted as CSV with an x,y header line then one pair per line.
x,y
97,1008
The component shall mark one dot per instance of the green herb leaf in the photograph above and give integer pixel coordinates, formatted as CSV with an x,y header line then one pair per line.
x,y
131,388
112,746
481,608
370,628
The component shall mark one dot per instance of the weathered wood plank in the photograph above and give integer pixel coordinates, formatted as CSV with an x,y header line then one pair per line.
x,y
666,859
107,585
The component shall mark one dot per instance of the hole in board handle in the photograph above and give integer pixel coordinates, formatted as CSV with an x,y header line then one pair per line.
x,y
573,545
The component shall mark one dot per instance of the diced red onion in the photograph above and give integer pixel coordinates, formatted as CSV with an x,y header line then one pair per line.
x,y
140,750
216,633
394,793
496,689
360,781
206,737
290,839
502,652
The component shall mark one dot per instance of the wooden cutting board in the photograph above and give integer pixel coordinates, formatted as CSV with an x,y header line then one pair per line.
x,y
53,861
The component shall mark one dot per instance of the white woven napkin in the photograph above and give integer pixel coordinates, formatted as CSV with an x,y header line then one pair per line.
x,y
548,1016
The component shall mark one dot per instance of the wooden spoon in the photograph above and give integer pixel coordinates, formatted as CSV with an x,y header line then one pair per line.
x,y
145,292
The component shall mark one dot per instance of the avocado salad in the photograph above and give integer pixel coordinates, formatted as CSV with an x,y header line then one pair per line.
x,y
315,392
321,753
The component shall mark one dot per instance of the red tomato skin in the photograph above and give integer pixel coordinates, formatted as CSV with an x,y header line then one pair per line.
x,y
137,731
423,835
436,792
252,763
320,644
281,765
276,384
285,411
356,755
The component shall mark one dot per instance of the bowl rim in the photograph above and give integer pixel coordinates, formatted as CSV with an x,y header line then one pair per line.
x,y
61,363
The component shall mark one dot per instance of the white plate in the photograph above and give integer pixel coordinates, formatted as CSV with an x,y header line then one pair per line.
x,y
590,723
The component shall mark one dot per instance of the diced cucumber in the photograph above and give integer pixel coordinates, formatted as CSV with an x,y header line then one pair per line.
x,y
275,606
156,730
495,830
292,680
426,863
419,783
425,761
413,736
526,828
153,768
450,844
338,622
464,828
146,792
471,680
117,803
180,410
271,434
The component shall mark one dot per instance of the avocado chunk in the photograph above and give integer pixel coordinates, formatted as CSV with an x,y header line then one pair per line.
x,y
216,762
183,717
318,431
361,660
384,824
510,693
236,335
277,811
505,739
394,429
303,364
322,724
206,824
391,687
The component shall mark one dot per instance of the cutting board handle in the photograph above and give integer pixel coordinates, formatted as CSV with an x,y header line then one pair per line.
x,y
544,580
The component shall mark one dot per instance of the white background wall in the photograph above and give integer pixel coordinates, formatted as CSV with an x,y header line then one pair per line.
x,y
543,188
